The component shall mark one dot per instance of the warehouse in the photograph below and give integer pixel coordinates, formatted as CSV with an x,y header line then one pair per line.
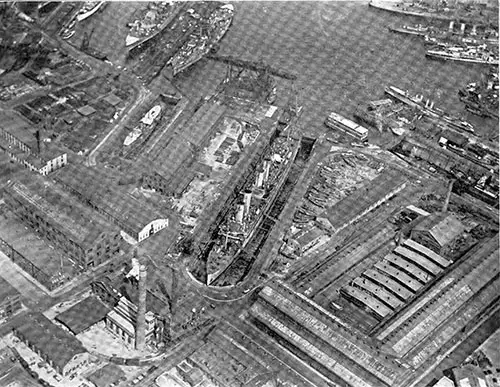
x,y
437,232
10,300
362,201
60,349
137,219
80,232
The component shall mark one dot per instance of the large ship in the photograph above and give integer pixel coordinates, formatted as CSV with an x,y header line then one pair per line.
x,y
201,42
146,121
418,30
148,22
428,108
88,9
476,54
467,12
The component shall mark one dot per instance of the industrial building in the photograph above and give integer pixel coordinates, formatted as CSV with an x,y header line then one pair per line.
x,y
10,300
418,322
60,349
136,219
83,315
137,315
84,235
169,169
392,282
437,231
362,201
26,145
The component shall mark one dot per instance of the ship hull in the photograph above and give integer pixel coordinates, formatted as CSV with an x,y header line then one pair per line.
x,y
132,42
89,13
439,56
408,32
195,57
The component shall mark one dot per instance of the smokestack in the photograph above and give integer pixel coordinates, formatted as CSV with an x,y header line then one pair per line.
x,y
448,195
140,325
259,179
247,199
452,24
240,212
267,168
462,28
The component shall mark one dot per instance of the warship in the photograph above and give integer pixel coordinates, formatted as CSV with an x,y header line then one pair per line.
x,y
148,22
202,41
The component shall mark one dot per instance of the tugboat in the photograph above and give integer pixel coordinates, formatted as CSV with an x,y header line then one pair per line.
x,y
88,9
200,43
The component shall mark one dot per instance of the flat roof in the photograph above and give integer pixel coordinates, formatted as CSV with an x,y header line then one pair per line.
x,y
107,375
96,187
7,290
83,315
354,204
86,110
82,224
18,127
59,345
112,99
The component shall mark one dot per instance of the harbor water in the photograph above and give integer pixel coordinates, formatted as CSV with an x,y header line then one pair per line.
x,y
343,54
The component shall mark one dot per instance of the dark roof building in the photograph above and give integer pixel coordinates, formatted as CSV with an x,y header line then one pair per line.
x,y
61,349
83,315
76,229
10,299
437,231
362,201
135,218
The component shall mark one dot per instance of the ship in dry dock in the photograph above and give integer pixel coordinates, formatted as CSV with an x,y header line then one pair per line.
x,y
203,40
145,123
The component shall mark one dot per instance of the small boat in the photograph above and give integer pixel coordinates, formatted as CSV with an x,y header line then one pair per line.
x,y
88,9
132,136
67,34
151,115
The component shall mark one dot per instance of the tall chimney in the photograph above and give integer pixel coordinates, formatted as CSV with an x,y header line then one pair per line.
x,y
259,179
448,195
140,325
462,28
240,212
247,199
267,168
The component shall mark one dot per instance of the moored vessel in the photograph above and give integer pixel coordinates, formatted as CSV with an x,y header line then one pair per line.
x,y
201,42
88,9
